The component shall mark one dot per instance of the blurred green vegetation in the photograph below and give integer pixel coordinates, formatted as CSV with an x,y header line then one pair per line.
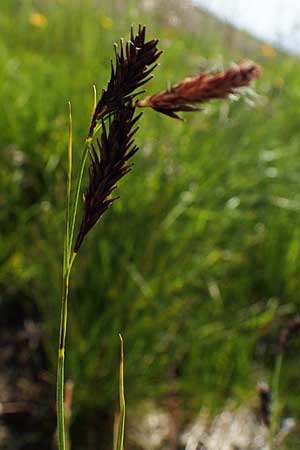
x,y
198,263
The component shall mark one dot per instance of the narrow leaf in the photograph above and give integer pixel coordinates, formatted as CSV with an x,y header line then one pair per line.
x,y
121,427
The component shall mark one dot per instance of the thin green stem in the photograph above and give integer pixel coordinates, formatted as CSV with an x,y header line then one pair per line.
x,y
77,191
61,357
61,363
121,427
87,146
67,266
68,261
69,185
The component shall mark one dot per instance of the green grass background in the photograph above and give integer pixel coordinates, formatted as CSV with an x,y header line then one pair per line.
x,y
198,263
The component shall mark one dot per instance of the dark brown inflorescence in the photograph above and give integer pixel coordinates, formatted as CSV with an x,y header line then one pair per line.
x,y
265,403
201,89
109,164
288,333
133,68
115,112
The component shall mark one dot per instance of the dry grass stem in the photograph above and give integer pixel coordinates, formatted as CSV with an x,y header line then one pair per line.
x,y
265,398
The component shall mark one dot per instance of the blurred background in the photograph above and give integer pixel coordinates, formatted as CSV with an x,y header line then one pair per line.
x,y
197,264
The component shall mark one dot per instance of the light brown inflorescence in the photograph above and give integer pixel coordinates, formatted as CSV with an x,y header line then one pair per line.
x,y
201,89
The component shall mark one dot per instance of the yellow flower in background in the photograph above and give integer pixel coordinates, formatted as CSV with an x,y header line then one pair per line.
x,y
38,20
267,51
16,263
106,22
278,82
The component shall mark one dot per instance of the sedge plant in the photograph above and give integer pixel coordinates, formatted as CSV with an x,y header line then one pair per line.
x,y
114,115
110,145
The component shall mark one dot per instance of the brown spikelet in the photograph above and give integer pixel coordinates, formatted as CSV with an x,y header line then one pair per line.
x,y
201,89
288,333
265,398
109,163
133,68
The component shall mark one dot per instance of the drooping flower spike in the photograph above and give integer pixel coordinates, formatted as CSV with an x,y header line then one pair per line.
x,y
202,88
